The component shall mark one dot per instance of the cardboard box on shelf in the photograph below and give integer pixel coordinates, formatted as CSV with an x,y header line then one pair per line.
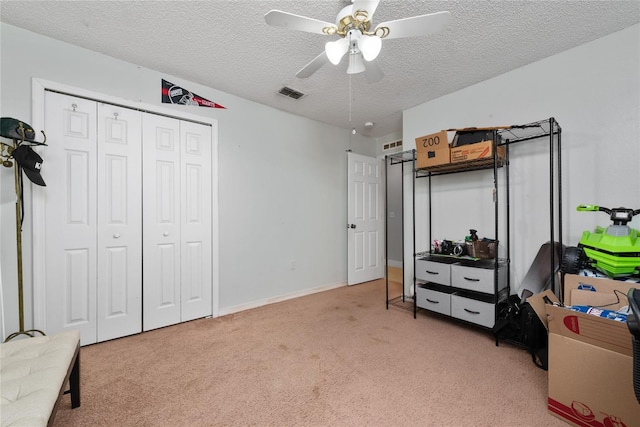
x,y
471,136
474,143
479,150
590,357
432,150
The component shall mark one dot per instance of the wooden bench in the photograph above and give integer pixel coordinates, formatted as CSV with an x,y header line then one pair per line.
x,y
34,373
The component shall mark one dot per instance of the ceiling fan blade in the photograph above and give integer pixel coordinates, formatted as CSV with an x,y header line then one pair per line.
x,y
369,5
288,20
313,66
372,71
422,25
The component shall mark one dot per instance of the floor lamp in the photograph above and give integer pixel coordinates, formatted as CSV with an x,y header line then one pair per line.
x,y
21,157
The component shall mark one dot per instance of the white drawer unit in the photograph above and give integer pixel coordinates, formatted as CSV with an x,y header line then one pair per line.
x,y
477,279
435,272
432,300
472,310
461,288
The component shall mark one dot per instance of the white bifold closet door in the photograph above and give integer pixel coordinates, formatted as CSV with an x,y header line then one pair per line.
x,y
127,219
176,221
119,297
92,218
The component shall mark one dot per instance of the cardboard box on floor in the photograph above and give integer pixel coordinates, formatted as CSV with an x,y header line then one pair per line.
x,y
590,358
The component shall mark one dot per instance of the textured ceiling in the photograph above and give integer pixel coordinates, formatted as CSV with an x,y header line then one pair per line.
x,y
227,45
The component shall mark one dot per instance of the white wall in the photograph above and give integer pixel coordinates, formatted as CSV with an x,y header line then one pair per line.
x,y
594,93
282,178
392,137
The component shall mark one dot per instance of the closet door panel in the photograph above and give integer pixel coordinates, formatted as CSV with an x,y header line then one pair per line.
x,y
70,241
168,297
119,301
161,221
196,220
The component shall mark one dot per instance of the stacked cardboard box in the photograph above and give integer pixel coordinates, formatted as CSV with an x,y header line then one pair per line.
x,y
467,144
479,150
432,150
473,144
590,357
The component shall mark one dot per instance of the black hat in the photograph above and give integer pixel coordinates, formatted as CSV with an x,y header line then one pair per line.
x,y
16,129
30,162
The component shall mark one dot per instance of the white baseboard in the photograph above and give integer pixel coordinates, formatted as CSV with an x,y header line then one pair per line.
x,y
259,303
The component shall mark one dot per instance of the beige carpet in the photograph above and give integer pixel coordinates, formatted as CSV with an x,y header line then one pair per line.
x,y
337,358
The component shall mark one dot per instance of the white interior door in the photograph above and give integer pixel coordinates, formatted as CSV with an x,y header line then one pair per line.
x,y
195,224
161,221
364,219
70,173
119,290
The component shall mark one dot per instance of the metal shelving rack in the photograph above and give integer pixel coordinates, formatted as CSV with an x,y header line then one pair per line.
x,y
394,159
495,162
536,131
502,137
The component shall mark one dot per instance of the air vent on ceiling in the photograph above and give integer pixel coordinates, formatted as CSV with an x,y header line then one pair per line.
x,y
392,145
291,93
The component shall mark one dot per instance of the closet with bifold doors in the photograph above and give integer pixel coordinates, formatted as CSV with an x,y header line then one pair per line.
x,y
127,219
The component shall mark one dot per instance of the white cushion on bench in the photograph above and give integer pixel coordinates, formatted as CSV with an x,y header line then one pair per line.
x,y
32,371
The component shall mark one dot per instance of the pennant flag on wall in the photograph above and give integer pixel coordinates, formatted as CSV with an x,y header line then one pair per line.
x,y
172,94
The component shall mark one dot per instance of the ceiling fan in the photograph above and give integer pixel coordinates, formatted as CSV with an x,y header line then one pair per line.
x,y
353,26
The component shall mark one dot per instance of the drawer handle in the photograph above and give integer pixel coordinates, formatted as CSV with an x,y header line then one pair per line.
x,y
471,279
471,311
432,301
432,272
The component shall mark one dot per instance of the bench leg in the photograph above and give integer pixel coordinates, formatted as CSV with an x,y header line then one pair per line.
x,y
74,382
73,376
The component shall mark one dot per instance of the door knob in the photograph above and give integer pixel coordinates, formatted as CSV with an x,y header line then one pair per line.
x,y
116,236
351,226
165,234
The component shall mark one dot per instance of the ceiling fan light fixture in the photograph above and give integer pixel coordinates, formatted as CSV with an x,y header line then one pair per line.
x,y
369,46
361,15
330,30
335,50
356,65
359,38
381,32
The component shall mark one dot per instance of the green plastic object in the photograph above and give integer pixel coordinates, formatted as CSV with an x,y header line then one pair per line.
x,y
586,208
613,250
